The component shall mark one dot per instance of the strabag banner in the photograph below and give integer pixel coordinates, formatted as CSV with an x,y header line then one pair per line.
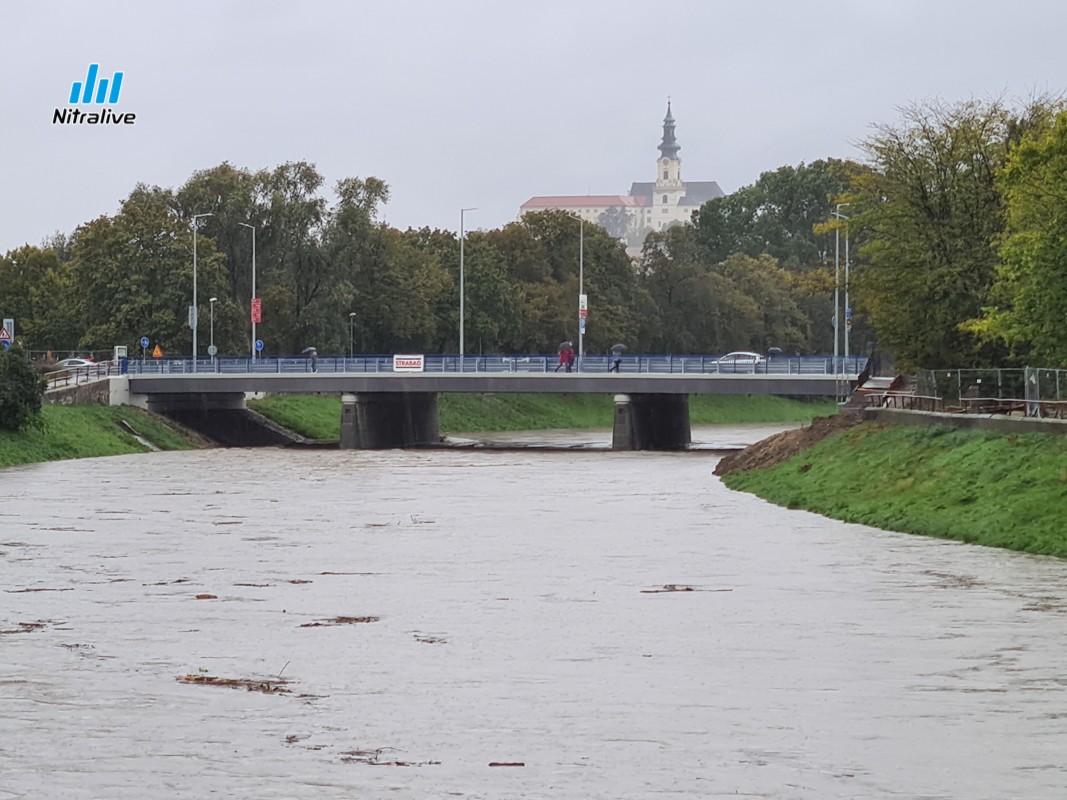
x,y
408,363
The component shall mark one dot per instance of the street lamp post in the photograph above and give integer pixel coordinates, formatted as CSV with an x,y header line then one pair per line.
x,y
352,334
193,312
837,283
462,349
211,348
581,289
251,308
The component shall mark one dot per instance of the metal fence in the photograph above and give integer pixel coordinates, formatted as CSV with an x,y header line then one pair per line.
x,y
646,364
846,368
1034,391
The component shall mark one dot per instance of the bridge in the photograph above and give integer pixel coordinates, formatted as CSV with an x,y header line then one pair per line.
x,y
391,401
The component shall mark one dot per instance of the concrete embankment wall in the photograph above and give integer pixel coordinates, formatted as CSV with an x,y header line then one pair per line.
x,y
81,394
232,427
999,423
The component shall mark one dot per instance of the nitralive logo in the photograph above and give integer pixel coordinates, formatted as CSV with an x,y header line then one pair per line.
x,y
94,91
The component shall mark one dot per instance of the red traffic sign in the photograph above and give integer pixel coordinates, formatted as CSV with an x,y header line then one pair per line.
x,y
257,310
5,335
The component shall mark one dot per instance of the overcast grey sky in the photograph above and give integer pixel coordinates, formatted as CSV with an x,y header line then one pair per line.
x,y
460,103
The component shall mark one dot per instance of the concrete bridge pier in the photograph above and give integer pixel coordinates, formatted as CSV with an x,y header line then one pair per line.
x,y
383,420
651,422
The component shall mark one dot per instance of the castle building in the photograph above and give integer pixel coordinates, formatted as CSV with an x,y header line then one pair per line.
x,y
650,206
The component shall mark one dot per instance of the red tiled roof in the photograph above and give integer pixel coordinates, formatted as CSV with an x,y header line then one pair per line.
x,y
583,201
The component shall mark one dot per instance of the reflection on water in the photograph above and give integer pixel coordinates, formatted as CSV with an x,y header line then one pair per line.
x,y
396,622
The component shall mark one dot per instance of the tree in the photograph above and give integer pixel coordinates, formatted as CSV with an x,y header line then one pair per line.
x,y
21,391
776,215
132,274
547,247
778,319
234,197
297,272
931,212
1028,299
699,308
24,274
617,221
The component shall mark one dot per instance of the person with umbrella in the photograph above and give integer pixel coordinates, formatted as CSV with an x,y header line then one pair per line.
x,y
313,357
566,355
616,356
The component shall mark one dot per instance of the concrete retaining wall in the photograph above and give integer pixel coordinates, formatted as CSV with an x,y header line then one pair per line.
x,y
987,422
81,394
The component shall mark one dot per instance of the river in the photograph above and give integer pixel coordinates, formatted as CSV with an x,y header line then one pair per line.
x,y
417,624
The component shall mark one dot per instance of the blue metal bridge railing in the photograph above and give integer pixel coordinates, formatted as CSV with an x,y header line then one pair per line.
x,y
591,364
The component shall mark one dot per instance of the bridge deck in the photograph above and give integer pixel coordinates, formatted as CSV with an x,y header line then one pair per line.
x,y
356,383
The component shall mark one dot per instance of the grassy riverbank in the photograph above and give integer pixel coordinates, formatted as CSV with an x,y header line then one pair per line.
x,y
980,487
86,431
319,416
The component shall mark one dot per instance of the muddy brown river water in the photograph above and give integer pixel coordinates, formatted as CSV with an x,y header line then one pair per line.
x,y
505,624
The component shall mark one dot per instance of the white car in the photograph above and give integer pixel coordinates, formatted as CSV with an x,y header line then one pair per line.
x,y
74,363
739,361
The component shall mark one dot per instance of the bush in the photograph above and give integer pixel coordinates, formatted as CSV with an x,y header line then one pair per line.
x,y
21,391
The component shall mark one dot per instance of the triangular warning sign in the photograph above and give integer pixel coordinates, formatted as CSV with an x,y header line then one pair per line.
x,y
5,336
158,352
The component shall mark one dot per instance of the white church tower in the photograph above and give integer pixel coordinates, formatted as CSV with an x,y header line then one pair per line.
x,y
669,190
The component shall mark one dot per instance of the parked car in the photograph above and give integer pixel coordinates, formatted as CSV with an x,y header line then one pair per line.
x,y
74,363
739,361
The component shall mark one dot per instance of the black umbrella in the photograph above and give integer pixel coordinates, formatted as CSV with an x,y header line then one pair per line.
x,y
565,345
618,349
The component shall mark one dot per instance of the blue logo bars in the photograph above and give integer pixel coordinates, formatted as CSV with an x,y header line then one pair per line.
x,y
84,94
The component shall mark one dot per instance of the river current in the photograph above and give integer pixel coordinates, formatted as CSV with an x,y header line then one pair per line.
x,y
505,624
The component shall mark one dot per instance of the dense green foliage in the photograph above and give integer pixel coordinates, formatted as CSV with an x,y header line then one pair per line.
x,y
783,217
978,487
1028,299
330,274
931,209
21,391
319,416
85,431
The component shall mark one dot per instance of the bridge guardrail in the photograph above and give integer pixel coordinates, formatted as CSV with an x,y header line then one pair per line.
x,y
74,375
593,364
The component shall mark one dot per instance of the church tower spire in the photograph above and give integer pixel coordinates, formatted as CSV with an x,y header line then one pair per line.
x,y
668,191
669,147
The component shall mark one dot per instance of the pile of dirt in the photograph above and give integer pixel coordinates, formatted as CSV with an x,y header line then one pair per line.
x,y
776,449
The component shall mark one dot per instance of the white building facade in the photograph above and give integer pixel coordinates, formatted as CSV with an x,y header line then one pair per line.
x,y
650,206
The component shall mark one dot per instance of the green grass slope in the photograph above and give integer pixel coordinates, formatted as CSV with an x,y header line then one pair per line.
x,y
985,488
85,431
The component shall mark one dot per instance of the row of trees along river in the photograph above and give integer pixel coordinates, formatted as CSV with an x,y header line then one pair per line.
x,y
955,219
